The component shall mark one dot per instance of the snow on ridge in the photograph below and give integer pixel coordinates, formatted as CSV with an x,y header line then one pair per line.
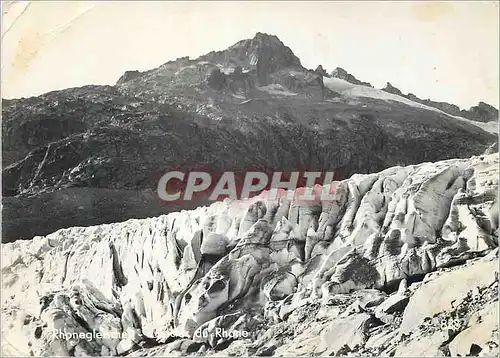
x,y
351,90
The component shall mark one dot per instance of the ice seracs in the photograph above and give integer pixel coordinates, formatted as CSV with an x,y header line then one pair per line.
x,y
235,264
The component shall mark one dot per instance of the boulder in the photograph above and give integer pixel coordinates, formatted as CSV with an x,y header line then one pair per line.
x,y
481,336
426,346
395,303
446,290
350,331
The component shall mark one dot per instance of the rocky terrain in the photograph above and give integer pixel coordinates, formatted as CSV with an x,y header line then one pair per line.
x,y
91,155
402,262
344,75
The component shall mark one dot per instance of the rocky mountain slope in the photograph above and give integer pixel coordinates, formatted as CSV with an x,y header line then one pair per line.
x,y
90,155
401,262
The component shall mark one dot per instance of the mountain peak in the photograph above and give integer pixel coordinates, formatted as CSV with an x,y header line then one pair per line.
x,y
389,88
342,74
262,52
262,36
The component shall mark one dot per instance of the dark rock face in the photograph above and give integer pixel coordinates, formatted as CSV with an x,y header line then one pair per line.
x,y
344,75
264,53
237,82
94,154
217,80
321,71
128,76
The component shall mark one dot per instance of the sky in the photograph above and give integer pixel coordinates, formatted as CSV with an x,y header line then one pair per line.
x,y
446,51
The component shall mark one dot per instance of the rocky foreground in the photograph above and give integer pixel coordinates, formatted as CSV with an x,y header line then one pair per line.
x,y
402,262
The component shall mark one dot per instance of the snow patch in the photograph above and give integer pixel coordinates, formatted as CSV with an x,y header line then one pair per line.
x,y
276,89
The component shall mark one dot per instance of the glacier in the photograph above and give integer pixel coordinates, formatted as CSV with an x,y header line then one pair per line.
x,y
237,265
